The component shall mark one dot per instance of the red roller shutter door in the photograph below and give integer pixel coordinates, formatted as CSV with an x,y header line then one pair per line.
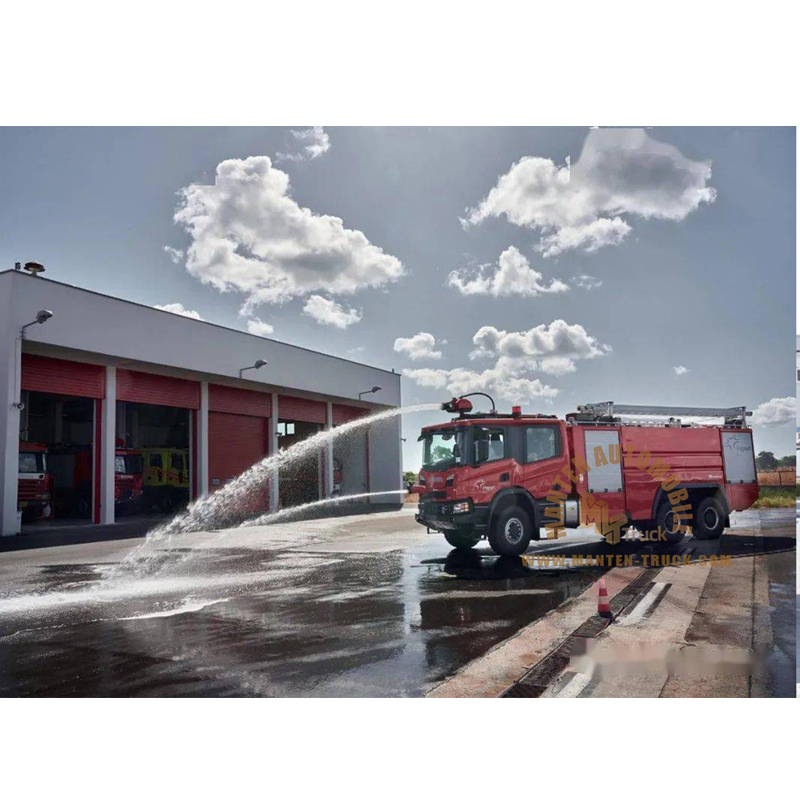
x,y
157,390
235,443
56,376
238,436
239,401
342,414
299,409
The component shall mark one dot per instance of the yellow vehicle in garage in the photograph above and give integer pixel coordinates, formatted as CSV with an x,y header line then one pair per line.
x,y
166,477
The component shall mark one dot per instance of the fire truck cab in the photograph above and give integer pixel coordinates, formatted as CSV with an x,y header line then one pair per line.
x,y
489,475
34,492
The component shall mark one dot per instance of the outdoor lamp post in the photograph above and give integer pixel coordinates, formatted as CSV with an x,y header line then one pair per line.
x,y
260,363
369,391
41,317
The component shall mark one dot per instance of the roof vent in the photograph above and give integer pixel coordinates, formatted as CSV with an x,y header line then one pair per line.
x,y
34,267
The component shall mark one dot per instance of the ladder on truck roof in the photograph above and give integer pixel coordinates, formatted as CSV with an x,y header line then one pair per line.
x,y
599,413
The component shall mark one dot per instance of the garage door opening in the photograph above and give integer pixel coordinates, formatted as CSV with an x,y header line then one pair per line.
x,y
57,458
153,460
301,481
350,454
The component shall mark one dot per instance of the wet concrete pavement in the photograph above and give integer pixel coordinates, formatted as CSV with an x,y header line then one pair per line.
x,y
358,606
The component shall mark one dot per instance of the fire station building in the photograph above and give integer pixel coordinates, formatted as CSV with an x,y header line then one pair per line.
x,y
106,401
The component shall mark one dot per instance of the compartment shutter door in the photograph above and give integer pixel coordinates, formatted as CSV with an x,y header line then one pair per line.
x,y
158,390
342,414
57,376
301,410
239,401
235,443
603,477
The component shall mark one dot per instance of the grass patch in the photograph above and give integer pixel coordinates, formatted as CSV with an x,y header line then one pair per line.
x,y
777,497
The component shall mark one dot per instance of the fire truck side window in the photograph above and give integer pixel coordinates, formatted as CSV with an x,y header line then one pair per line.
x,y
490,444
541,442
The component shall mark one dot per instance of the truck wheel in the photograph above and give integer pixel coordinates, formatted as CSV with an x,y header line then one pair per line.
x,y
511,532
669,524
709,519
462,540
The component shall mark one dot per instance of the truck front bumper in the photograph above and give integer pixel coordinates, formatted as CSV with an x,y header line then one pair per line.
x,y
438,515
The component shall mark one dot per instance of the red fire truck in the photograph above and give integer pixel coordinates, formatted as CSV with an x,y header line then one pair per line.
x,y
488,475
35,485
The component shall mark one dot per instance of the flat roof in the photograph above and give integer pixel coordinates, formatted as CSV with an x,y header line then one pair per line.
x,y
200,321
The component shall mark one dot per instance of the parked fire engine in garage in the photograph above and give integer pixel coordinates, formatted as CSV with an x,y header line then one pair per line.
x,y
488,475
166,477
35,484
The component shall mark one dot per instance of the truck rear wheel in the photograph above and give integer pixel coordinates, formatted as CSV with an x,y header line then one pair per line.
x,y
511,532
669,524
462,540
709,519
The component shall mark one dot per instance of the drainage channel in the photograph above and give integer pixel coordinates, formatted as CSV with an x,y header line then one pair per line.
x,y
534,682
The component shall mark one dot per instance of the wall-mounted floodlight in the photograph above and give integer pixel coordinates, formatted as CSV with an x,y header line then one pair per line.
x,y
41,317
369,391
260,363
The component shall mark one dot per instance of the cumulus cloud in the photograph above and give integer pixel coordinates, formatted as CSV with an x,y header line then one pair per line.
x,y
175,255
586,282
312,143
259,328
249,235
552,348
620,174
512,276
177,308
680,370
420,345
505,379
329,312
777,411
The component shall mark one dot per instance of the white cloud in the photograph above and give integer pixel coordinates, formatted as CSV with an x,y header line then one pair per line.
x,y
552,348
177,308
513,276
329,312
506,379
249,235
356,351
313,143
620,173
259,328
586,282
175,255
680,370
420,345
777,411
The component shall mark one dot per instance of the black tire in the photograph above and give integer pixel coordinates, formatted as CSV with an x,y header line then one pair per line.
x,y
167,502
709,519
669,525
511,532
462,540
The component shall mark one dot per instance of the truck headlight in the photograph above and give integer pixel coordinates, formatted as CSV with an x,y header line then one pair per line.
x,y
461,507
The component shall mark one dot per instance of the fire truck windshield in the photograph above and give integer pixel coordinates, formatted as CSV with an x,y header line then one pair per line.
x,y
128,465
442,450
31,462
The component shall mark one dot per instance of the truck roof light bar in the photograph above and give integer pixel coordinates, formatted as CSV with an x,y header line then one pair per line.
x,y
592,412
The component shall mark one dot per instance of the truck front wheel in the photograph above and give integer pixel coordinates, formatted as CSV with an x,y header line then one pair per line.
x,y
709,519
462,540
511,532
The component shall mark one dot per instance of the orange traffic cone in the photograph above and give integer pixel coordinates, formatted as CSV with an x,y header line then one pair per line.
x,y
603,606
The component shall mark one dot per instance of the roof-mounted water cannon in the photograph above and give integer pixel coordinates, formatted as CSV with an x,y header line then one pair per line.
x,y
458,405
462,406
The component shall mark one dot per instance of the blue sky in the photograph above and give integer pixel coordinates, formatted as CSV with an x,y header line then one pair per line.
x,y
659,249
